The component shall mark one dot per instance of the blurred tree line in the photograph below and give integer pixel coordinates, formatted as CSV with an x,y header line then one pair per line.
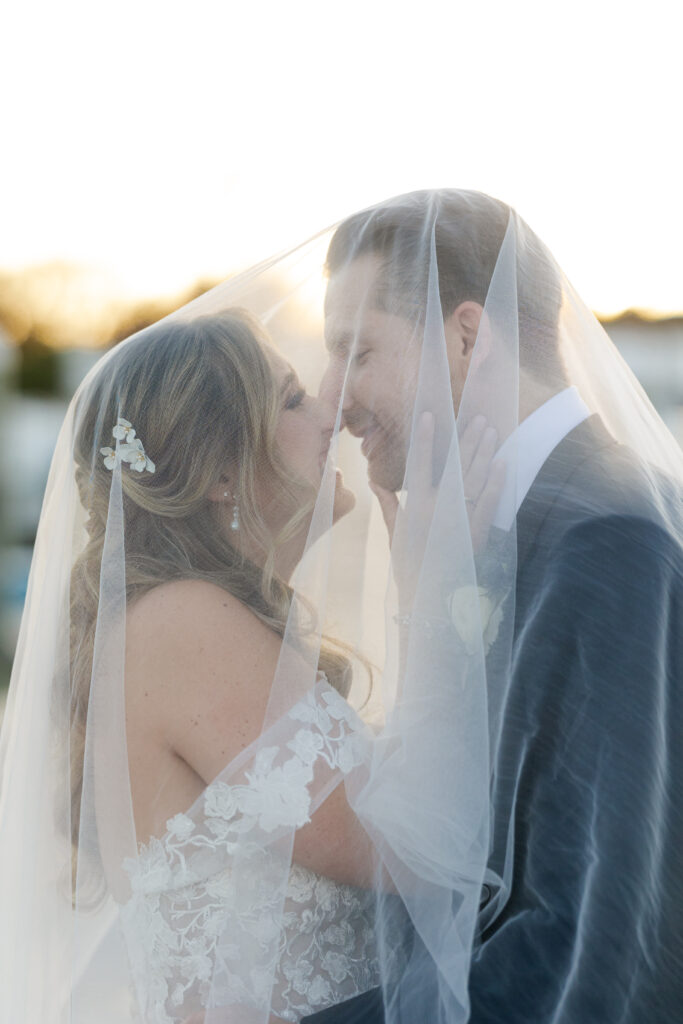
x,y
37,337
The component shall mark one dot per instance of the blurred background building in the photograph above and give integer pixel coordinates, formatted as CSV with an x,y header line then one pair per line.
x,y
36,383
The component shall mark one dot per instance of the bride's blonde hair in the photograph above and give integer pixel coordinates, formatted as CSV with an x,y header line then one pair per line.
x,y
201,396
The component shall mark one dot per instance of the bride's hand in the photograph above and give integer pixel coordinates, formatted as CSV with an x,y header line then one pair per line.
x,y
483,478
483,481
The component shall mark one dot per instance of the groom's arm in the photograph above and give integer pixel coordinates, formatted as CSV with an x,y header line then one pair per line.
x,y
594,928
364,1009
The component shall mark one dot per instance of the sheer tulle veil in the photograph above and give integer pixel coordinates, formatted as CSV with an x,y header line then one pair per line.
x,y
396,664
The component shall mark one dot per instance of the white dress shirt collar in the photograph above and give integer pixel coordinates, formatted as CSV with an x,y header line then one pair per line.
x,y
529,446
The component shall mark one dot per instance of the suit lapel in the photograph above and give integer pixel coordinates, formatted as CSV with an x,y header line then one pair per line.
x,y
580,444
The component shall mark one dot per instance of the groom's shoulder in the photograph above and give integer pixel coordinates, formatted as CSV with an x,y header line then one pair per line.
x,y
597,486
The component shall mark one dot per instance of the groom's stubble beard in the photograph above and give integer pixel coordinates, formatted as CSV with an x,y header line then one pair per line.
x,y
387,447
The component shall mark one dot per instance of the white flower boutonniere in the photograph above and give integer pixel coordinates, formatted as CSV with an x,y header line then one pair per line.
x,y
476,614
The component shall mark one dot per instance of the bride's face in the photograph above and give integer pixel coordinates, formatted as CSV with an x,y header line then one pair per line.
x,y
303,435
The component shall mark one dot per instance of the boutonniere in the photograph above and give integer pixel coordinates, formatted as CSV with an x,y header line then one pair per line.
x,y
476,614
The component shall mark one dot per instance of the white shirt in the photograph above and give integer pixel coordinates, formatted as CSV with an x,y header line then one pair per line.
x,y
529,446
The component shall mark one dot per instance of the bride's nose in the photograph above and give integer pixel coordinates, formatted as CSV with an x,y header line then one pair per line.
x,y
332,383
327,413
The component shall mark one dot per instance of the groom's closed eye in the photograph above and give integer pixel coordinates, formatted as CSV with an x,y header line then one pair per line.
x,y
345,344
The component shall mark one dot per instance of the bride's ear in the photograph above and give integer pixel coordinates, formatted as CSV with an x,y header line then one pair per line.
x,y
222,491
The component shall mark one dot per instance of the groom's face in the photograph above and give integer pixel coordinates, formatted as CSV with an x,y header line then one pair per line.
x,y
373,367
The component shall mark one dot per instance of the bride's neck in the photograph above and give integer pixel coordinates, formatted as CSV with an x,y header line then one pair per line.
x,y
288,557
286,560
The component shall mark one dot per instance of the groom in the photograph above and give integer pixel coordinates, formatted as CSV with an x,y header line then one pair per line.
x,y
590,762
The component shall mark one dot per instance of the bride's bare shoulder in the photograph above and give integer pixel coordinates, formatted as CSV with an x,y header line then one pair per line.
x,y
190,633
199,666
192,613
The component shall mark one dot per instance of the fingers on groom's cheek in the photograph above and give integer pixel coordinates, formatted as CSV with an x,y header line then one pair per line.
x,y
469,442
488,443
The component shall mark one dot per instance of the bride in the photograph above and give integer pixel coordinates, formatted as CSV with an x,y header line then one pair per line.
x,y
255,761
219,476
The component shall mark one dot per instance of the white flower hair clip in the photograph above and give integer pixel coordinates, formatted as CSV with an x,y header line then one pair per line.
x,y
130,451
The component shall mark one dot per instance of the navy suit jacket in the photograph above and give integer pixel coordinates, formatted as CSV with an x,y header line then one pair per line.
x,y
591,756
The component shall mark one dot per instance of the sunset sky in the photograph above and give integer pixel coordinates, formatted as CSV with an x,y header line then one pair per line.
x,y
155,143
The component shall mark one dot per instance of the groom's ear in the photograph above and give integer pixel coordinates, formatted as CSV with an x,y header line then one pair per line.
x,y
461,329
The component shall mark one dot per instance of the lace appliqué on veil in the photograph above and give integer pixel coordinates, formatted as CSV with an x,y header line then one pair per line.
x,y
193,934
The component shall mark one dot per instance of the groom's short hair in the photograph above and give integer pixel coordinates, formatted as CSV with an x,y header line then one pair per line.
x,y
469,229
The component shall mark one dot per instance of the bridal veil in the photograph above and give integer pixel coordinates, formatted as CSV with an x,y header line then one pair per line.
x,y
419,708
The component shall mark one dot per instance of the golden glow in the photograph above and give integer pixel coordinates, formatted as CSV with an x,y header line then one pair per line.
x,y
164,144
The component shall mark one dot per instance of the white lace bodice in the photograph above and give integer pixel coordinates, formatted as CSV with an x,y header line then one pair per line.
x,y
216,911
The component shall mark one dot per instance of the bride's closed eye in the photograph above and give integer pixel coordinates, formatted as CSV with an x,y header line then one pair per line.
x,y
295,399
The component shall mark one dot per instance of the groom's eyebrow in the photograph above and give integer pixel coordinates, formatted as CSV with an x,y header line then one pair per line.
x,y
336,342
342,342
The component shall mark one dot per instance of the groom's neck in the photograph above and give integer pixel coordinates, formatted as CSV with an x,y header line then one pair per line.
x,y
533,394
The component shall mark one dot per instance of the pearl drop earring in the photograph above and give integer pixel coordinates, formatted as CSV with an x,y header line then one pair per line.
x,y
235,524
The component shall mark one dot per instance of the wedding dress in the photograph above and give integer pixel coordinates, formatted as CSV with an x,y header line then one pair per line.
x,y
182,888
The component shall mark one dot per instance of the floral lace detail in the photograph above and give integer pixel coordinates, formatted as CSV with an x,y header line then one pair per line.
x,y
258,932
